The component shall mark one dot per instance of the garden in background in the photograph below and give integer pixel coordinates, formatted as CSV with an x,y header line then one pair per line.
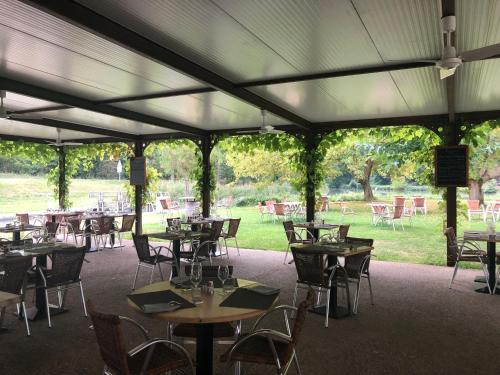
x,y
358,166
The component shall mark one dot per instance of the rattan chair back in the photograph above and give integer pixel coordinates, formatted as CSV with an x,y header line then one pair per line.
x,y
13,273
127,223
343,230
216,230
141,243
300,319
289,231
233,227
356,262
106,224
51,228
310,266
110,339
170,221
23,218
451,240
66,266
75,223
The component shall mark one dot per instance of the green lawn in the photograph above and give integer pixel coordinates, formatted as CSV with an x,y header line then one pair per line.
x,y
422,242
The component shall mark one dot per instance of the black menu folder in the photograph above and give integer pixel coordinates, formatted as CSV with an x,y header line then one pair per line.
x,y
162,301
246,299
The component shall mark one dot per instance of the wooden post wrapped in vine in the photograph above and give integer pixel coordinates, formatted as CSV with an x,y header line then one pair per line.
x,y
205,180
312,160
138,151
62,188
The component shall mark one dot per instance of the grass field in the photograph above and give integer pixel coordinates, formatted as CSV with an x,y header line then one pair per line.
x,y
422,242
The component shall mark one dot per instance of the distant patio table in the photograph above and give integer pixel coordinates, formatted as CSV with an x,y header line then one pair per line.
x,y
334,251
176,237
314,228
491,240
16,230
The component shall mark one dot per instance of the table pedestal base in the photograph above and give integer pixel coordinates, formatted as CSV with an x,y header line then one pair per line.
x,y
204,349
35,314
486,291
336,313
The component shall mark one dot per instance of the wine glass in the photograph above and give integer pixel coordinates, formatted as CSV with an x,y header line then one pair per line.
x,y
223,274
196,275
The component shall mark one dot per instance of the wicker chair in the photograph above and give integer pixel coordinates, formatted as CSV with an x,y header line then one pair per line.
x,y
65,273
465,251
126,226
154,356
313,272
391,216
74,228
268,346
419,204
148,260
101,229
232,230
205,250
13,273
356,267
294,237
23,218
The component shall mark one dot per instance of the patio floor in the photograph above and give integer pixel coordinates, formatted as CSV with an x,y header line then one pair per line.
x,y
417,325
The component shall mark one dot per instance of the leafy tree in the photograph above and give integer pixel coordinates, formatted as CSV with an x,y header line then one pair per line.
x,y
484,157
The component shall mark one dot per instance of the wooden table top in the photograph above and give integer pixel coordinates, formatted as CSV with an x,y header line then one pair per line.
x,y
205,220
340,250
19,228
481,236
207,312
8,299
316,225
177,235
42,249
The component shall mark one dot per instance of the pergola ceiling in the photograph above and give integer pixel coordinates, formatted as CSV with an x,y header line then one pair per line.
x,y
139,69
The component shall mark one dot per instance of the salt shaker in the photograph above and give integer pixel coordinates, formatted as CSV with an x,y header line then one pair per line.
x,y
210,288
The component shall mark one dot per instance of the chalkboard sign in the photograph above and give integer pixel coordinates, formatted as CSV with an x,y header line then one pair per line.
x,y
451,166
138,171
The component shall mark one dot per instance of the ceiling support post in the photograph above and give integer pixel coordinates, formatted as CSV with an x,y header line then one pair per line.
x,y
138,152
311,142
62,187
206,146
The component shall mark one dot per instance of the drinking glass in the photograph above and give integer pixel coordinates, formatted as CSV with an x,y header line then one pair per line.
x,y
223,274
196,275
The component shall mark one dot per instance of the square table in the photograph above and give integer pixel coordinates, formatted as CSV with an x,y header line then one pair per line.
x,y
314,228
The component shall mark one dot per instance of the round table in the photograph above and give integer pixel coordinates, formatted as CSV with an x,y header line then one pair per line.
x,y
204,315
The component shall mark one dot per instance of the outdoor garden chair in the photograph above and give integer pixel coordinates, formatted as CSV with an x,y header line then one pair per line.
x,y
393,215
465,251
475,208
294,237
65,273
313,272
153,356
126,226
263,211
419,204
208,247
280,211
345,209
74,228
13,275
101,229
269,346
232,230
151,257
356,268
492,209
378,211
270,208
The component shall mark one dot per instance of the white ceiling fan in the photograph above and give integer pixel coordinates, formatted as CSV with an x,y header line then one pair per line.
x,y
449,61
59,143
264,129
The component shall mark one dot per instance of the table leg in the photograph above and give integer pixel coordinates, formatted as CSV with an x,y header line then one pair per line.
x,y
88,237
204,349
176,249
16,235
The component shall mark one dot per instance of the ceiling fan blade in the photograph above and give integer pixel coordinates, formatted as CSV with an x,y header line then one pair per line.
x,y
445,73
481,53
431,61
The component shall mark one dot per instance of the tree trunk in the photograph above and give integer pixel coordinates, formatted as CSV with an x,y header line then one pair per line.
x,y
476,190
365,181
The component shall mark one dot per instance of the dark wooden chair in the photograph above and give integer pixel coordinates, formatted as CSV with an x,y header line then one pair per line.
x,y
313,272
153,356
64,274
356,267
268,346
232,230
294,237
465,251
13,274
150,257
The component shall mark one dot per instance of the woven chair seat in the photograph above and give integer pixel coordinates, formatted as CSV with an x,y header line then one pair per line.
x,y
189,330
163,359
473,258
257,350
33,275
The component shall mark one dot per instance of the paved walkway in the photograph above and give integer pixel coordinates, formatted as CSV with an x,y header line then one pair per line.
x,y
417,325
